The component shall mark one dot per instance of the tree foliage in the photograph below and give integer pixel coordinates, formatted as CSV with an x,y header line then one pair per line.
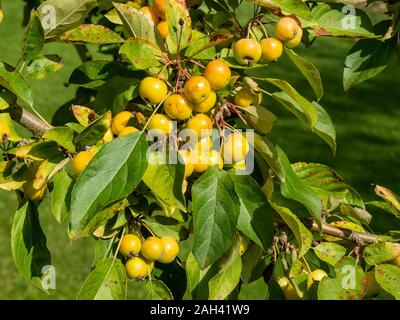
x,y
240,232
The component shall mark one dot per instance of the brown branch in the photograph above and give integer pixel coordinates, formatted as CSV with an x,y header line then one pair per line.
x,y
29,121
359,238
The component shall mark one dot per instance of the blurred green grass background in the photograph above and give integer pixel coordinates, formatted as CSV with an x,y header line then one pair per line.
x,y
368,137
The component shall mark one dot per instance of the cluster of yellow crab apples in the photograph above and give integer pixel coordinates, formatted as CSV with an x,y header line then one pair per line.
x,y
192,108
140,256
287,33
246,51
194,105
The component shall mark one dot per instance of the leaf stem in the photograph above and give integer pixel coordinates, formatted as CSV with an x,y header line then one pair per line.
x,y
181,24
262,27
148,228
307,265
119,244
109,246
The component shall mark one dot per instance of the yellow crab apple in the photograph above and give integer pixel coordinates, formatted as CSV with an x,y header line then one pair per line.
x,y
272,49
201,125
197,89
247,51
178,107
218,74
286,29
153,90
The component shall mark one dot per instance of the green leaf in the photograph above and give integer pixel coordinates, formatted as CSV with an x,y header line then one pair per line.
x,y
353,198
198,43
295,189
255,218
309,71
256,290
36,150
102,251
95,131
91,33
61,196
296,268
59,16
202,47
42,67
253,264
77,127
7,99
384,206
165,180
194,276
162,226
113,174
268,152
136,24
292,106
215,215
33,39
349,283
296,7
179,35
28,243
244,13
330,20
83,115
330,252
107,281
301,233
98,224
322,180
157,290
48,168
388,277
16,180
64,137
113,16
228,276
259,118
366,59
302,104
6,168
378,253
323,127
360,214
116,94
392,199
15,82
141,54
96,73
